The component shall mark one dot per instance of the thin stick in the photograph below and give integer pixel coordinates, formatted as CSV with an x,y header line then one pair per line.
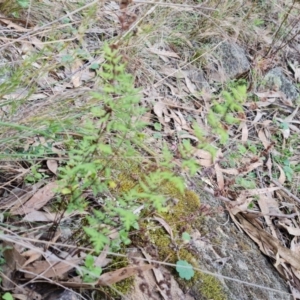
x,y
286,190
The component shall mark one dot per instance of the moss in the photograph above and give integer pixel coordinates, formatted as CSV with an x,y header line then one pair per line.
x,y
211,288
244,246
122,287
10,7
182,216
177,218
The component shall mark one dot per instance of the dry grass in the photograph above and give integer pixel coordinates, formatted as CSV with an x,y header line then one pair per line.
x,y
48,52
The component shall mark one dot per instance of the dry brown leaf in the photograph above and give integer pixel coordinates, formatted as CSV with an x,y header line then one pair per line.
x,y
269,94
52,165
50,270
21,297
245,133
13,262
289,120
267,206
192,87
258,116
163,53
203,154
291,230
267,242
171,72
252,167
261,191
282,177
19,196
269,164
41,197
112,277
183,122
266,103
297,74
38,96
75,68
36,42
165,225
176,120
101,260
231,171
150,287
220,178
239,206
160,110
204,162
39,216
188,136
162,285
263,138
11,24
32,255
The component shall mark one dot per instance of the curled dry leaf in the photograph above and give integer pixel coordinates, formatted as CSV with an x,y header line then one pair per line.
x,y
177,121
268,244
160,110
163,52
110,278
19,196
165,225
269,164
39,216
50,270
263,138
52,165
252,167
41,197
101,260
258,116
239,206
267,206
220,177
245,133
75,69
291,230
13,262
160,278
282,177
260,191
32,255
204,158
231,171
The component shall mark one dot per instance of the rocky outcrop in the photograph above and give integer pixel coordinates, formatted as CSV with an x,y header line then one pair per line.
x,y
276,80
227,251
233,60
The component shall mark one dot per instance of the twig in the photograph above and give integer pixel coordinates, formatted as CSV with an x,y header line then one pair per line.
x,y
15,239
286,190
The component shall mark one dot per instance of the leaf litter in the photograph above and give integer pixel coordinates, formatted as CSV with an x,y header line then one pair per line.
x,y
275,235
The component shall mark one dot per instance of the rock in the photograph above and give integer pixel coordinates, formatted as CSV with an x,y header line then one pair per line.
x,y
233,60
227,251
62,295
276,80
197,77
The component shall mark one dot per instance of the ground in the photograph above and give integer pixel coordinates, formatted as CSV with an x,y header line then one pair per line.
x,y
137,135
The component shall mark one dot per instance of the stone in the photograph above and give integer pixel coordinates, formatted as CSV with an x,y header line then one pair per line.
x,y
276,80
227,251
233,60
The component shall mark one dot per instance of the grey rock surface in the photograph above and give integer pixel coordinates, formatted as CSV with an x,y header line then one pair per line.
x,y
197,77
233,60
227,251
276,80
